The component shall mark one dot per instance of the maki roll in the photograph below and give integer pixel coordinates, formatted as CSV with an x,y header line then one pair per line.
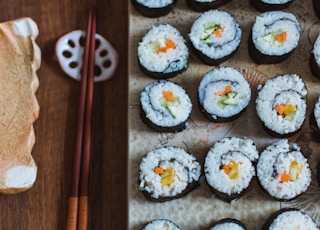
x,y
315,117
227,224
168,173
281,105
229,167
153,8
283,171
290,218
223,94
203,5
274,36
161,224
163,53
315,57
215,36
165,106
268,5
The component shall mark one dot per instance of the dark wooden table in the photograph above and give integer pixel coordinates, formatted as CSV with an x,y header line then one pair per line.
x,y
44,206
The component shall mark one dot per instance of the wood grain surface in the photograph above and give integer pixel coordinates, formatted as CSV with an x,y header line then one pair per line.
x,y
44,206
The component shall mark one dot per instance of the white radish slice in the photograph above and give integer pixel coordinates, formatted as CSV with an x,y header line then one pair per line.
x,y
70,49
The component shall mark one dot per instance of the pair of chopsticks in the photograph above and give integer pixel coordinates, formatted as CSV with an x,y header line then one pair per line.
x,y
78,199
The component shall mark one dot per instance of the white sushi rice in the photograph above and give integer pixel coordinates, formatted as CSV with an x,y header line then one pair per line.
x,y
293,219
316,50
273,22
211,84
164,62
222,46
150,100
187,170
274,161
155,3
161,224
286,89
275,1
240,150
316,112
227,226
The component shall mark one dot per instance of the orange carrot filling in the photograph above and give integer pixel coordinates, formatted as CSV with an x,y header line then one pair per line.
x,y
169,45
218,32
282,37
168,95
285,177
226,90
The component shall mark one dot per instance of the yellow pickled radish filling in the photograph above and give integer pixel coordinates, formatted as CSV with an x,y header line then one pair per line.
x,y
167,175
294,172
286,111
232,170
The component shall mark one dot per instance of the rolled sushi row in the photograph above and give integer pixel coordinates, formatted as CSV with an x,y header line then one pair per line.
x,y
158,8
215,37
231,164
223,95
286,218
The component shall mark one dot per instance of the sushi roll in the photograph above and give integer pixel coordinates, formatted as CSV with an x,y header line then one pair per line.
x,y
223,94
281,105
315,57
283,171
154,8
227,224
204,5
269,5
165,106
290,218
315,117
163,52
229,167
215,36
274,36
168,173
161,224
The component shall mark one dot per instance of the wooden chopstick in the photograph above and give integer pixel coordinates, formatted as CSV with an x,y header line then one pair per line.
x,y
78,208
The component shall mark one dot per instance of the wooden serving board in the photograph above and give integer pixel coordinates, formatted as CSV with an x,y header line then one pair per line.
x,y
44,206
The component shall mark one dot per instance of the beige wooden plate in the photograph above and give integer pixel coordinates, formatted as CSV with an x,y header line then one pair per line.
x,y
200,209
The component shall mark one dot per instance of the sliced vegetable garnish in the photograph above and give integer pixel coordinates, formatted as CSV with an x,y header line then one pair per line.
x,y
286,111
169,45
278,37
169,101
227,97
231,170
167,175
211,29
294,172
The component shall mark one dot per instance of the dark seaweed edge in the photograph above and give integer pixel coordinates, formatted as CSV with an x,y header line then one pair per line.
x,y
153,12
263,7
204,6
269,221
229,220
